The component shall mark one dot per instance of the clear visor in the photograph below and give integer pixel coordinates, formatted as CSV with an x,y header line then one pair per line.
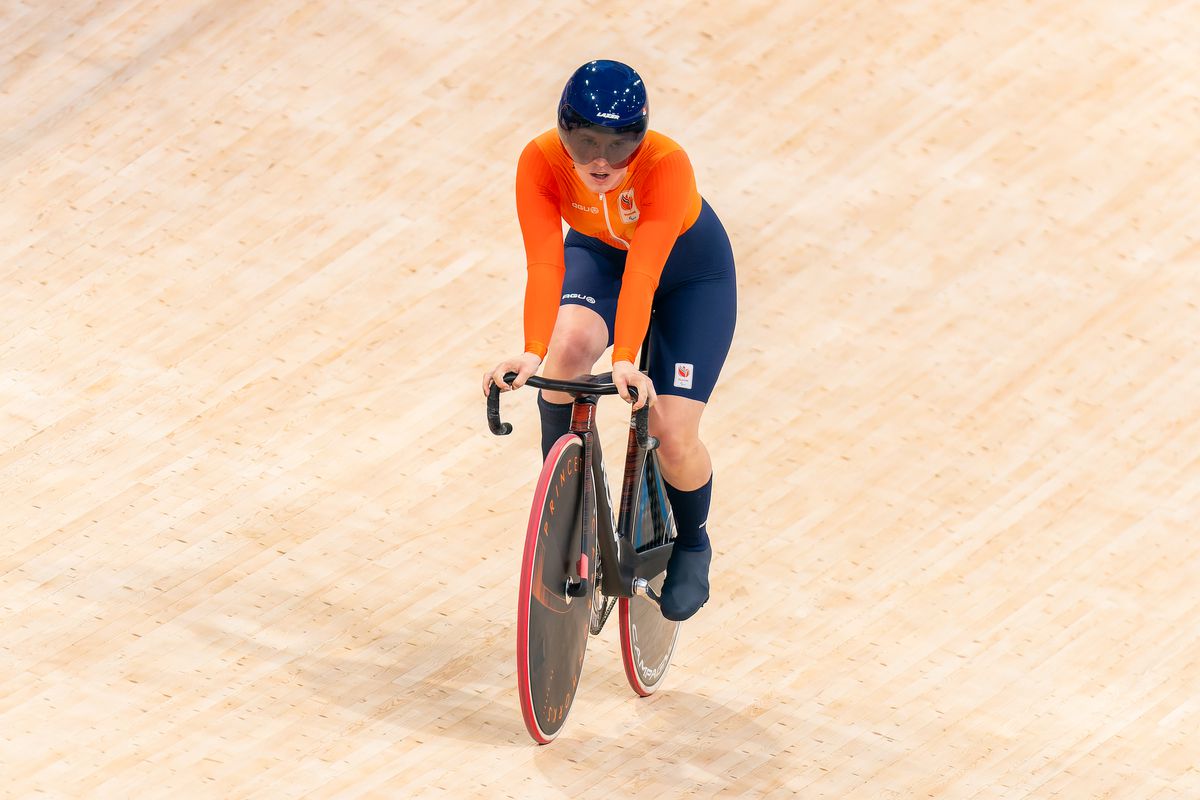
x,y
587,144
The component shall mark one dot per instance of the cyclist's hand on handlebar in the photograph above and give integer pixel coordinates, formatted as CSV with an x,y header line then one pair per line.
x,y
524,365
624,375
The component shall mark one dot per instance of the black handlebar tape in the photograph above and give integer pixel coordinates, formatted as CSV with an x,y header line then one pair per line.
x,y
493,413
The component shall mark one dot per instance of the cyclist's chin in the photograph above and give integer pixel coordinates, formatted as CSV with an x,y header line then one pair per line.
x,y
600,177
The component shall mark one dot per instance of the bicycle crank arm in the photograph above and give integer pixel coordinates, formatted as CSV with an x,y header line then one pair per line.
x,y
642,586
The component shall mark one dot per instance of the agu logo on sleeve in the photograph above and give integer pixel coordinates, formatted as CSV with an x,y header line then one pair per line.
x,y
683,376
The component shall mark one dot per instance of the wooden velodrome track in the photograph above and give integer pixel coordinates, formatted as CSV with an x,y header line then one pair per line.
x,y
257,541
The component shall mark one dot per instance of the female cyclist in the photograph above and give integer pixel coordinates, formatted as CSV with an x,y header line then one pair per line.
x,y
641,237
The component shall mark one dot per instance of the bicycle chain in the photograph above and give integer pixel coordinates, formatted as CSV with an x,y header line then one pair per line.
x,y
597,622
597,619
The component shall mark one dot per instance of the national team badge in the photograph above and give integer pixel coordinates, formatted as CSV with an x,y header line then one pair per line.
x,y
628,209
683,376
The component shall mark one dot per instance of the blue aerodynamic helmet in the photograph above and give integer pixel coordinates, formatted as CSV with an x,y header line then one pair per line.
x,y
604,113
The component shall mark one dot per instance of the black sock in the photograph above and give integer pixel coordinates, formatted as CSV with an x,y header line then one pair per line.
x,y
691,515
556,420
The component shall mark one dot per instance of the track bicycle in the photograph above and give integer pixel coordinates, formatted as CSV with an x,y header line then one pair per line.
x,y
580,562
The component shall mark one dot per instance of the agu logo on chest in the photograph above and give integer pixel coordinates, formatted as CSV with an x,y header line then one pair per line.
x,y
628,209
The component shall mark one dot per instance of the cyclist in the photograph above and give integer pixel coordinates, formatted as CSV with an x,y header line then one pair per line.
x,y
641,238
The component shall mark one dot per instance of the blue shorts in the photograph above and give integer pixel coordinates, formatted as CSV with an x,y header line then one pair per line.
x,y
694,309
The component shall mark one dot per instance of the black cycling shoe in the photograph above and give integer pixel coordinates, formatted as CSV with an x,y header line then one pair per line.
x,y
686,586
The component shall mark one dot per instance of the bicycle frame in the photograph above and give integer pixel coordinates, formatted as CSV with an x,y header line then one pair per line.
x,y
624,571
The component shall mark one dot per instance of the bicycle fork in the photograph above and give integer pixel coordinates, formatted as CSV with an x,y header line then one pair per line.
x,y
580,570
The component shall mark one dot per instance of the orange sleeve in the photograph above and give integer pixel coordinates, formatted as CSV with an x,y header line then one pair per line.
x,y
541,228
663,203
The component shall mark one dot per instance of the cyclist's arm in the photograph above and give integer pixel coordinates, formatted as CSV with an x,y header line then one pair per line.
x,y
663,204
541,229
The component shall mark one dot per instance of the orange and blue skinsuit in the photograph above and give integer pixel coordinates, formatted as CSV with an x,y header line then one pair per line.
x,y
651,241
655,203
650,244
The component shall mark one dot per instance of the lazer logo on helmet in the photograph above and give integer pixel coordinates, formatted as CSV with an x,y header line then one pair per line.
x,y
603,113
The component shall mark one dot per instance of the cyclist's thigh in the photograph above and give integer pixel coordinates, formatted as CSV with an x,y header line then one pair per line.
x,y
676,416
695,312
593,277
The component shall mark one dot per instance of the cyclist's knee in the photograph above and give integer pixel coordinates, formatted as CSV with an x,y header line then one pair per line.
x,y
577,344
677,444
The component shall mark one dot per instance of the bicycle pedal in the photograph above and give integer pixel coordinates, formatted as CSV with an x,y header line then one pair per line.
x,y
577,588
642,586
